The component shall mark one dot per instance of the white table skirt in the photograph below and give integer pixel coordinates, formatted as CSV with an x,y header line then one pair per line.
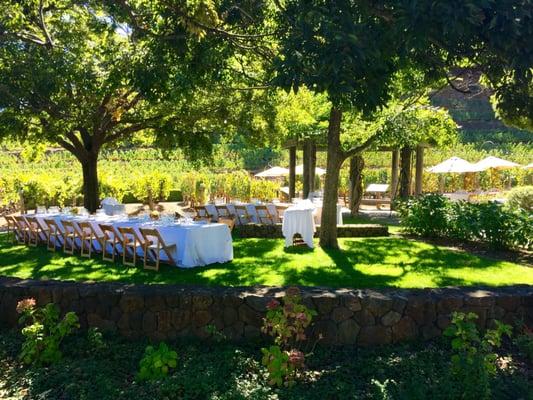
x,y
211,208
196,244
298,220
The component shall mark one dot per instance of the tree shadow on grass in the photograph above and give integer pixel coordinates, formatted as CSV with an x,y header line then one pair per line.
x,y
362,262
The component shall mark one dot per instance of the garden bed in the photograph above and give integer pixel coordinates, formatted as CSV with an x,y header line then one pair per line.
x,y
224,371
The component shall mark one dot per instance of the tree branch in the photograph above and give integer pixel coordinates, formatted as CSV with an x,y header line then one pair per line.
x,y
42,24
362,147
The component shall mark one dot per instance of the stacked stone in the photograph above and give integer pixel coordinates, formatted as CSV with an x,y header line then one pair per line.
x,y
345,316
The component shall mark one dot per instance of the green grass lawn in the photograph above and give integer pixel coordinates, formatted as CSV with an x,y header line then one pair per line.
x,y
361,263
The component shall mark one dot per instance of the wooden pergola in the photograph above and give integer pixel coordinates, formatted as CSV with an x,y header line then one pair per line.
x,y
400,159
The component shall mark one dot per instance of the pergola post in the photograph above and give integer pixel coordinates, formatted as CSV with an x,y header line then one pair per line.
x,y
395,173
419,169
405,173
306,168
292,172
312,165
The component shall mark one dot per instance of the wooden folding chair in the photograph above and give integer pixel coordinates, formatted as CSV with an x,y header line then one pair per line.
x,y
55,235
230,222
23,229
202,213
88,238
223,211
37,234
71,235
264,216
130,242
242,215
12,229
112,238
280,211
154,243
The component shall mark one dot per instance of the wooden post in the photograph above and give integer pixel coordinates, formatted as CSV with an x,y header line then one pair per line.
x,y
306,158
312,165
419,169
395,169
405,172
292,172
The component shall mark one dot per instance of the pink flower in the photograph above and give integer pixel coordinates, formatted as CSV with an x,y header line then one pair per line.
x,y
301,317
273,304
25,305
296,358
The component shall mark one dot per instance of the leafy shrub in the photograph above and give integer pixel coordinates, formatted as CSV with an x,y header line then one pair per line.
x,y
156,364
152,187
521,197
95,339
524,342
263,189
287,324
44,334
474,360
490,223
426,215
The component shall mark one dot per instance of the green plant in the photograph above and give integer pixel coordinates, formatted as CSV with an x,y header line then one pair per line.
x,y
425,216
157,363
521,197
215,334
524,342
287,323
45,332
95,339
474,360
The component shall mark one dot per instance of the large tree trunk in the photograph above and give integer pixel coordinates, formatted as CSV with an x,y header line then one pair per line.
x,y
90,182
328,228
405,172
357,163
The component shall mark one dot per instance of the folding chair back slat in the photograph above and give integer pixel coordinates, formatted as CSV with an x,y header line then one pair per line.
x,y
71,236
55,235
223,211
24,230
202,213
264,216
12,228
130,242
37,234
112,238
153,242
242,215
88,238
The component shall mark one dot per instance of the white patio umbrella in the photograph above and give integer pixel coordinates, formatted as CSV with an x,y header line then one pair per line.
x,y
454,165
318,171
496,163
274,172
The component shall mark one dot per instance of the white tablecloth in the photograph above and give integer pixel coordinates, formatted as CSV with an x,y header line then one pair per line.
x,y
299,219
197,244
250,207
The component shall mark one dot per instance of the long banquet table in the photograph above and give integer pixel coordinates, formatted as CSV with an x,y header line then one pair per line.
x,y
197,243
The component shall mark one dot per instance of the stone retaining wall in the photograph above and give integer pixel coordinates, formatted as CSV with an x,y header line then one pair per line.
x,y
274,231
363,317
